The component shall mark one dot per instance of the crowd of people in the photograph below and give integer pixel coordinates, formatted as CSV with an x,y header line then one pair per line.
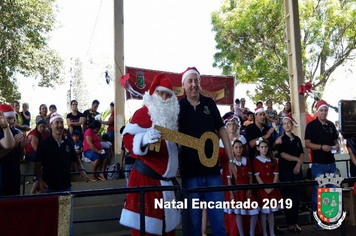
x,y
256,146
27,143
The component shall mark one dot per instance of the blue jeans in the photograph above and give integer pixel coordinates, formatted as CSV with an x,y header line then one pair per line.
x,y
93,156
127,174
111,135
48,190
216,216
317,170
31,156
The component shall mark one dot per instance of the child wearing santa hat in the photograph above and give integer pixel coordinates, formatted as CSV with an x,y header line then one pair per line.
x,y
290,169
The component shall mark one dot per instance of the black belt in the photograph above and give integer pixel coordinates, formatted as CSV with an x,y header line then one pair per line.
x,y
144,169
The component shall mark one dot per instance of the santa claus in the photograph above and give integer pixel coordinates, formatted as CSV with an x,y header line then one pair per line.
x,y
152,168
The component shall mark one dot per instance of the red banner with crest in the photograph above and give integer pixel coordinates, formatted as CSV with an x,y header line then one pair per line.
x,y
137,81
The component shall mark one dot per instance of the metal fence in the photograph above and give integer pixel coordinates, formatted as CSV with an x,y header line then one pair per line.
x,y
185,193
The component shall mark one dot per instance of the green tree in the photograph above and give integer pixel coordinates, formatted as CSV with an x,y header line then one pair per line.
x,y
24,36
250,36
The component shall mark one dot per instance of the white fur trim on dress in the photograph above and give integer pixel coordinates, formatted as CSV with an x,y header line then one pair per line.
x,y
132,219
172,164
171,216
246,212
269,210
134,129
154,225
221,144
139,132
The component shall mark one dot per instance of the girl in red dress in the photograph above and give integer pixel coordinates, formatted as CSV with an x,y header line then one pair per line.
x,y
266,171
232,125
244,176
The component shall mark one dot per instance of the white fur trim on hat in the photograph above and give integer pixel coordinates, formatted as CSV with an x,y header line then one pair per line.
x,y
188,72
7,110
55,116
9,113
293,121
164,89
260,109
324,105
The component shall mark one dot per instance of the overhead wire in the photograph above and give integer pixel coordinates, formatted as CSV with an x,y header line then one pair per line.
x,y
92,34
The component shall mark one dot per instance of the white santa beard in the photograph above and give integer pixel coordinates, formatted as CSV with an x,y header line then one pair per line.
x,y
163,112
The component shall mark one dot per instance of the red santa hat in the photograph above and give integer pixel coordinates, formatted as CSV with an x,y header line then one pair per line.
x,y
259,109
190,70
290,117
55,116
161,82
7,110
231,119
321,104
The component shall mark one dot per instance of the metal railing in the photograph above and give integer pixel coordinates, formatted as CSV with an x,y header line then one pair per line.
x,y
24,176
186,193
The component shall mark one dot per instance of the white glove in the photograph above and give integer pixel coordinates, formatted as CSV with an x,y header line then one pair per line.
x,y
98,117
151,136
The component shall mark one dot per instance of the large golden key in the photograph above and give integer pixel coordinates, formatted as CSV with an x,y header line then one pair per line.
x,y
191,142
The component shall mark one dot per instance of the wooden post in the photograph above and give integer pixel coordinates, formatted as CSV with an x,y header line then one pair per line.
x,y
119,65
295,69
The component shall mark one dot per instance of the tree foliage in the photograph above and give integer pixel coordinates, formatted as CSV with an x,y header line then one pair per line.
x,y
24,36
250,36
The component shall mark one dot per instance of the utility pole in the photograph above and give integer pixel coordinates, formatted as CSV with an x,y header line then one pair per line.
x,y
295,66
119,108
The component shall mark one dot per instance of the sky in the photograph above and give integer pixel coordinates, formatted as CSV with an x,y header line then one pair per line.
x,y
167,35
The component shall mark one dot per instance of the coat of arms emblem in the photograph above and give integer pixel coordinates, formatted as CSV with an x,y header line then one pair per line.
x,y
140,80
329,215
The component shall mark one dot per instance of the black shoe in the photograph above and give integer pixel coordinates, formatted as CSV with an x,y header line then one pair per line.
x,y
299,230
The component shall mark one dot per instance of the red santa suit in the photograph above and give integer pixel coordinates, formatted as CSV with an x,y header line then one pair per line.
x,y
165,163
